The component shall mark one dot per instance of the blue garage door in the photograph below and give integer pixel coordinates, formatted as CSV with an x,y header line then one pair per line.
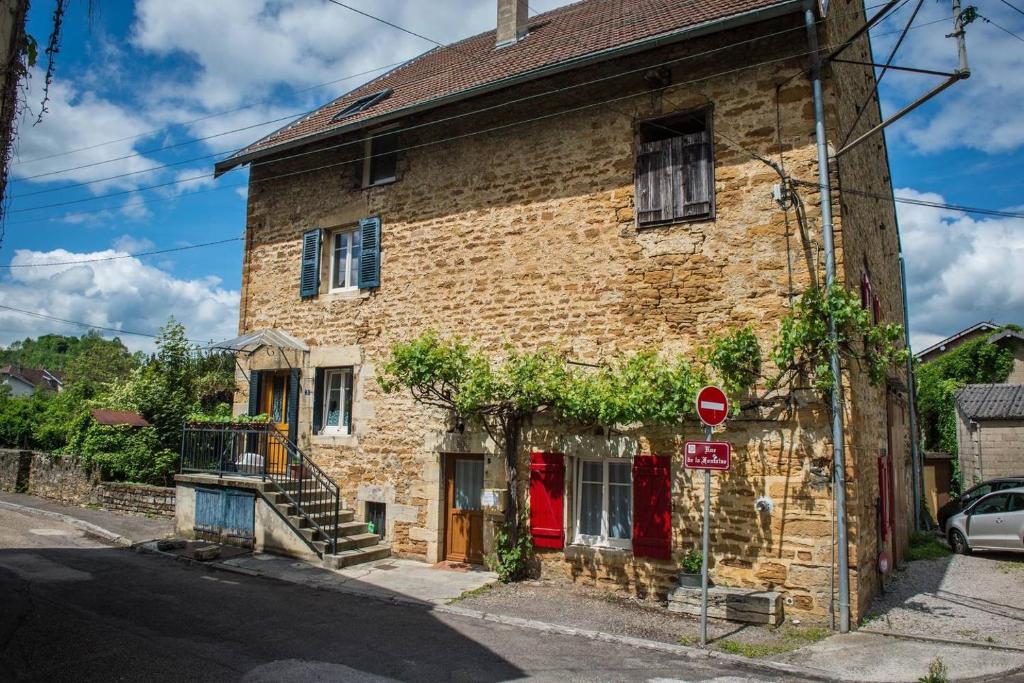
x,y
225,515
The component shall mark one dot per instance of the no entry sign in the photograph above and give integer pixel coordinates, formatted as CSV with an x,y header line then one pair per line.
x,y
707,455
712,406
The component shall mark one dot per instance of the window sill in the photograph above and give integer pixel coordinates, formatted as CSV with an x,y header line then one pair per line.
x,y
337,439
380,183
348,293
605,548
673,222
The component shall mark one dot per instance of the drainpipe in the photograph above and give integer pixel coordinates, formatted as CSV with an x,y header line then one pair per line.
x,y
838,446
915,452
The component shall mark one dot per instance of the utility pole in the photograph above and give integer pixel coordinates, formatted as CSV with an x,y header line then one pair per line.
x,y
838,439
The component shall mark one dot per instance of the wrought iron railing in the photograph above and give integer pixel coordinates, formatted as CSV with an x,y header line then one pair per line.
x,y
260,450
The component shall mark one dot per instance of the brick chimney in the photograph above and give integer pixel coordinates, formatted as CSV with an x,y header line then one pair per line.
x,y
512,18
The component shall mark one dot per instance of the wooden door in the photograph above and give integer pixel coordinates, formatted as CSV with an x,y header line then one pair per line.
x,y
464,518
275,404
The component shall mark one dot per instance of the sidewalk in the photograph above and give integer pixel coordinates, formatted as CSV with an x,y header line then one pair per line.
x,y
112,527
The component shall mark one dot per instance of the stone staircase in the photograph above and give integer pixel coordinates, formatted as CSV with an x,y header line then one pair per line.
x,y
355,543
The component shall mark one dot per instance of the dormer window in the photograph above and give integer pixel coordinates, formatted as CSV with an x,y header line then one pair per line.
x,y
362,104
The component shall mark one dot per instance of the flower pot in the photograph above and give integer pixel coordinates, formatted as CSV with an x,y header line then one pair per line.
x,y
688,580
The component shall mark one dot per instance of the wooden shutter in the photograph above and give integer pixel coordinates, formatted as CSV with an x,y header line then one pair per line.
x,y
652,507
293,404
884,495
318,400
654,194
547,499
698,175
309,272
254,392
369,256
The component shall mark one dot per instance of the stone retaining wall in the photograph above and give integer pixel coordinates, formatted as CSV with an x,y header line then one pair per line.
x,y
62,478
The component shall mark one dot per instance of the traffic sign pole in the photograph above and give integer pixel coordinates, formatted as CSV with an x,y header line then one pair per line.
x,y
704,553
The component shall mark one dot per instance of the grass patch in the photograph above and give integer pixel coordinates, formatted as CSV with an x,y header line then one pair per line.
x,y
788,639
473,593
926,547
687,640
1010,566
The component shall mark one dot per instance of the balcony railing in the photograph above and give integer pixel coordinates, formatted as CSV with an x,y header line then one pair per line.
x,y
260,450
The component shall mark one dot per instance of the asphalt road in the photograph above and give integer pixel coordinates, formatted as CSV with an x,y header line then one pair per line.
x,y
73,609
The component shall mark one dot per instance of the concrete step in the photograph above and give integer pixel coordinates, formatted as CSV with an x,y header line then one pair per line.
x,y
347,558
357,541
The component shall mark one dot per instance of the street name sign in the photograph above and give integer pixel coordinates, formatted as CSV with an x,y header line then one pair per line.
x,y
707,455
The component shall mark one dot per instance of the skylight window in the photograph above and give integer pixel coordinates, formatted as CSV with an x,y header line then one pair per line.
x,y
362,104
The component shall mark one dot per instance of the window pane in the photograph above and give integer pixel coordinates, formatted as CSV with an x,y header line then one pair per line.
x,y
382,161
353,277
590,507
346,419
593,471
991,505
620,505
618,472
332,402
340,255
469,484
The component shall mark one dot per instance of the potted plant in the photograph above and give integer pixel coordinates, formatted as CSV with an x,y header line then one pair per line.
x,y
689,568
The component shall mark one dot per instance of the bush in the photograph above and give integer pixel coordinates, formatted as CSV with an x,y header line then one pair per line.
x,y
512,558
123,453
692,562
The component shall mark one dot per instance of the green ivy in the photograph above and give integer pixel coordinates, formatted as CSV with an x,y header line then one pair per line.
x,y
512,553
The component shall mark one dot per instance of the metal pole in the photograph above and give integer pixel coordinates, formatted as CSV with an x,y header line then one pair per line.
x,y
838,450
915,451
704,552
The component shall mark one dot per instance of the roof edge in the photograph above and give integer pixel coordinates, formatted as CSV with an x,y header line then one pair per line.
x,y
714,26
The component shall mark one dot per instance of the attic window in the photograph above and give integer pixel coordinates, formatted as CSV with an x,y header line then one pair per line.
x,y
362,104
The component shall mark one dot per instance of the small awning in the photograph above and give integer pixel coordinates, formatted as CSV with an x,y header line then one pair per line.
x,y
253,341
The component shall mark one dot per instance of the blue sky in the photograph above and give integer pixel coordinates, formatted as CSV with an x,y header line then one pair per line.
x,y
152,73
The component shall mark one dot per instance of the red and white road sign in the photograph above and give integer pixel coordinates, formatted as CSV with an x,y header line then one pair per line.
x,y
707,455
712,406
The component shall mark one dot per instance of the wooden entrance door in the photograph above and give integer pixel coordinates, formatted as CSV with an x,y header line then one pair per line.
x,y
464,518
274,403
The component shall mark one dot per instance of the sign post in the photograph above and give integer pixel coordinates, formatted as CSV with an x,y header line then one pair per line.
x,y
712,408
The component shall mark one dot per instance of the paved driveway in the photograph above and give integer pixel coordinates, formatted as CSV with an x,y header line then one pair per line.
x,y
960,597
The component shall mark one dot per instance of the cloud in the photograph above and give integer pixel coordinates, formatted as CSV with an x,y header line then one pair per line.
x,y
954,119
131,245
125,294
960,270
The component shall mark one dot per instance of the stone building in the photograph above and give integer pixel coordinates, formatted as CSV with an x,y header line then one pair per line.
x,y
592,177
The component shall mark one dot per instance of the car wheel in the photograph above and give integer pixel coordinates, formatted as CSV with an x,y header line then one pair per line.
x,y
958,543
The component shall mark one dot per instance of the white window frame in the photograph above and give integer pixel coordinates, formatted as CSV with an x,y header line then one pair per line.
x,y
349,286
341,428
602,540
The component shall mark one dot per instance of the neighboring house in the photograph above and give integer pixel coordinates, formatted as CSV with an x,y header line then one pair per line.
x,y
587,177
1011,339
26,381
943,347
990,431
118,417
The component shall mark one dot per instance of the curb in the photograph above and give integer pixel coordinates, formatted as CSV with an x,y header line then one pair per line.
x,y
87,527
944,641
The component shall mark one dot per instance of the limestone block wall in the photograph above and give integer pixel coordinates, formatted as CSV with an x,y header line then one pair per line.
x,y
517,226
989,449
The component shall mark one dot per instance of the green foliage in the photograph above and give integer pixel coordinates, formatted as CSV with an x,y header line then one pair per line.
x,y
89,357
926,547
512,552
124,453
937,672
736,359
804,344
973,362
692,562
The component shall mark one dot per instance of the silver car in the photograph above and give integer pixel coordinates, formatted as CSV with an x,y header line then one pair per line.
x,y
993,522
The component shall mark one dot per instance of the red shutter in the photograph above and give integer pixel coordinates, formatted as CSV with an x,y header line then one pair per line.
x,y
652,507
547,495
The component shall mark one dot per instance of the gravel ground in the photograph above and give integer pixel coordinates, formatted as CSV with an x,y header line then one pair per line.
x,y
600,609
962,597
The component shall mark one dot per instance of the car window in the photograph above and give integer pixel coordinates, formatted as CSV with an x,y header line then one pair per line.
x,y
1003,485
1016,502
978,492
991,505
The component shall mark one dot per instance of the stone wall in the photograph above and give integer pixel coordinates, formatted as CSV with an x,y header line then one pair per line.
x,y
524,233
989,449
63,479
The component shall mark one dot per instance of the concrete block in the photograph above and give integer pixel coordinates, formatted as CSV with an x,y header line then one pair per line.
x,y
731,604
206,553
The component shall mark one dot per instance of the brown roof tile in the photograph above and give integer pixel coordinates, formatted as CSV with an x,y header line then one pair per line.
x,y
118,417
557,37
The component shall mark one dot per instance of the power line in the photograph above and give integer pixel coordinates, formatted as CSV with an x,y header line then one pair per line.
x,y
86,325
122,256
923,202
386,22
1012,6
1004,30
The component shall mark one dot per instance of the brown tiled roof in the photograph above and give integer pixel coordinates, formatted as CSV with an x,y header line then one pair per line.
x,y
37,377
557,38
118,417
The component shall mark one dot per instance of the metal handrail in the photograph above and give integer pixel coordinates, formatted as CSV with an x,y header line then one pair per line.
x,y
243,449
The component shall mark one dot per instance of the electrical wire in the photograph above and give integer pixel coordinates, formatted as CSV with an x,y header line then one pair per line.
x,y
923,202
121,256
1001,28
1012,6
83,324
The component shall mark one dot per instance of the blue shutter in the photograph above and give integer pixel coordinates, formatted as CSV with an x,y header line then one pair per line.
x,y
309,273
369,257
254,392
293,404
